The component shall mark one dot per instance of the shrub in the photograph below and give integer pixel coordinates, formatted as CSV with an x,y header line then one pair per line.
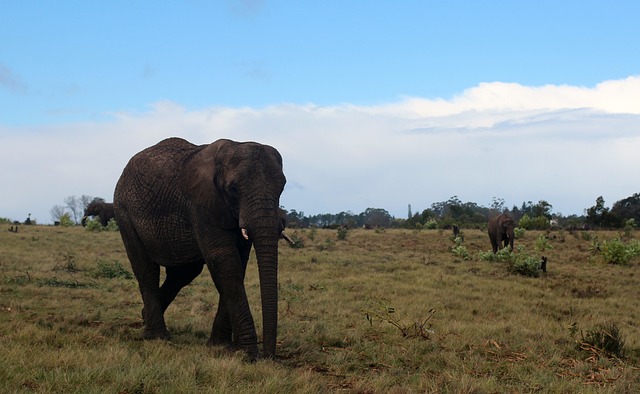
x,y
519,232
542,244
616,251
518,263
111,270
95,225
431,224
535,223
587,236
503,255
629,226
526,265
65,220
112,225
605,338
342,233
298,242
461,252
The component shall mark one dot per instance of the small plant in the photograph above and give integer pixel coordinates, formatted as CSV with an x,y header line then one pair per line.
x,y
461,251
629,226
417,329
605,339
93,225
65,220
542,244
298,242
519,232
112,225
312,233
111,270
67,263
342,233
503,255
526,265
329,244
586,236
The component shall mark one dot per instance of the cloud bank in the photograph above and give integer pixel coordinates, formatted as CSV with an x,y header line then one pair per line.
x,y
565,144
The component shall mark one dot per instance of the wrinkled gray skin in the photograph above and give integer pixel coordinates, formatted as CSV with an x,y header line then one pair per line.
x,y
103,210
181,206
501,233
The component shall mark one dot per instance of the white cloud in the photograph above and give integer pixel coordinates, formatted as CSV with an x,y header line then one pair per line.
x,y
567,145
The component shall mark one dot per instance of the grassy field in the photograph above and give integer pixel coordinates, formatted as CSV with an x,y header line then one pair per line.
x,y
390,311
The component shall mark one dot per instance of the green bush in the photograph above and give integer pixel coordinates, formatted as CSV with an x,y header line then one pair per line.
x,y
432,224
112,225
342,233
461,252
503,255
519,232
542,244
605,338
535,223
298,242
65,220
95,225
526,265
616,251
518,263
111,270
629,226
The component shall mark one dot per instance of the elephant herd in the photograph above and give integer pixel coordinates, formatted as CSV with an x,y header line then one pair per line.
x,y
183,206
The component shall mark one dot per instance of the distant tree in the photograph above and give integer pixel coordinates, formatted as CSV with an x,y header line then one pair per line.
x,y
628,208
542,208
600,216
57,212
375,217
497,204
77,205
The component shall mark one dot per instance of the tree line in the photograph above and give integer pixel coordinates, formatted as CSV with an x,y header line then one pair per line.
x,y
446,214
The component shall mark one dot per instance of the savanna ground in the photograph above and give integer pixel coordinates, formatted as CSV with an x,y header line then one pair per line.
x,y
381,311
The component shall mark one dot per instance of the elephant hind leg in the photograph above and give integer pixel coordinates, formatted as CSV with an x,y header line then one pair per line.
x,y
177,278
147,272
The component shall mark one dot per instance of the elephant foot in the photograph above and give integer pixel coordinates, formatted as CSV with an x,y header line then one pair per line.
x,y
227,344
162,334
250,352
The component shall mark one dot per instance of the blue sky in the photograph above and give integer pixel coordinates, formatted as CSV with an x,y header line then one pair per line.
x,y
509,99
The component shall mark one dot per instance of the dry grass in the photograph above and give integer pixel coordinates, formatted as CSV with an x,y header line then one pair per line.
x,y
390,311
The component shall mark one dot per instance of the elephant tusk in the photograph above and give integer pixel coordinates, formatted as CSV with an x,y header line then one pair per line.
x,y
245,235
288,238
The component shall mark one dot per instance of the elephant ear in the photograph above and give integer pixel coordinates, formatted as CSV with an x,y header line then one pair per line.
x,y
200,173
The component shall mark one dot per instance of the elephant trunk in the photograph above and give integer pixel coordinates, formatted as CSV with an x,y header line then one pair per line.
x,y
264,233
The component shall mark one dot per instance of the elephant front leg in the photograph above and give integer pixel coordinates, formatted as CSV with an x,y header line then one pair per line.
x,y
233,322
221,332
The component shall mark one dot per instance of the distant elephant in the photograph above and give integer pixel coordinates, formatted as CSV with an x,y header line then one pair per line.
x,y
181,206
103,210
501,232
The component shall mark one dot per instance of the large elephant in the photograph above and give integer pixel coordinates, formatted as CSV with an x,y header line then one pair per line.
x,y
501,231
181,206
103,210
